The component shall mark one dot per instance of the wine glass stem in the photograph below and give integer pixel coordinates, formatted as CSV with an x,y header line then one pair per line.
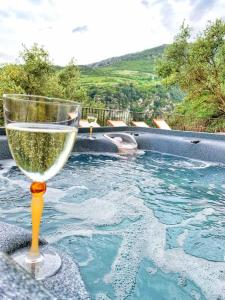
x,y
37,204
91,129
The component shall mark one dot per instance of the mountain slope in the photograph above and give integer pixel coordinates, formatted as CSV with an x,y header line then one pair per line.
x,y
134,66
140,57
120,82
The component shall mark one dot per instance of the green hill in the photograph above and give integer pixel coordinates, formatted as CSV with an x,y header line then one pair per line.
x,y
129,81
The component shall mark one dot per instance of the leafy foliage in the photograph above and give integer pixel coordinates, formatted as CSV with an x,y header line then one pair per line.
x,y
37,69
37,75
198,68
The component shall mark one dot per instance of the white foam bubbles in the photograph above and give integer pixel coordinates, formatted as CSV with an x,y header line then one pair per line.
x,y
125,266
144,237
208,275
147,238
107,210
102,296
198,218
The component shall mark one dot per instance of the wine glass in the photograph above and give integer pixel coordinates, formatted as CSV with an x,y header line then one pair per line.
x,y
92,119
41,133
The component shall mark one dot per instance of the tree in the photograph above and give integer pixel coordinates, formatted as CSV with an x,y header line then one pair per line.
x,y
37,68
36,75
10,76
69,79
198,69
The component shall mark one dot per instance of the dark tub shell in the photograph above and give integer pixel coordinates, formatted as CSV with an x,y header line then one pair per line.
x,y
196,145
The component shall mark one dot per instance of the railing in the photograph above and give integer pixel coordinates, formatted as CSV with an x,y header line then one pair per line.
x,y
176,122
103,115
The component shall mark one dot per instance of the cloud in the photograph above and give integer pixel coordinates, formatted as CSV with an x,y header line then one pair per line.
x,y
148,3
24,15
80,29
45,28
167,15
200,8
32,14
4,14
145,3
166,11
108,28
37,2
5,57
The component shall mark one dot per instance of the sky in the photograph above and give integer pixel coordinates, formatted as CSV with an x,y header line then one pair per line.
x,y
92,30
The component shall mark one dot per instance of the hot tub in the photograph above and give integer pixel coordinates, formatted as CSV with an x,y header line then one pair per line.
x,y
149,226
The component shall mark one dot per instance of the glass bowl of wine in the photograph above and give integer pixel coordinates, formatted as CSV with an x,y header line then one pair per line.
x,y
92,119
41,133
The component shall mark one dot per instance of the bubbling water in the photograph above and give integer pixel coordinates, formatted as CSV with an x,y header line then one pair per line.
x,y
138,200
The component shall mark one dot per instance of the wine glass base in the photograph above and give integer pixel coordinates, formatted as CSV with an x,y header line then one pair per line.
x,y
48,263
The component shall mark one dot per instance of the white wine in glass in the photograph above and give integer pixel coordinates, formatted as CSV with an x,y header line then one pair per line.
x,y
41,133
92,119
49,146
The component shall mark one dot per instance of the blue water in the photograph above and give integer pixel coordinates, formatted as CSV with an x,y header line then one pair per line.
x,y
145,227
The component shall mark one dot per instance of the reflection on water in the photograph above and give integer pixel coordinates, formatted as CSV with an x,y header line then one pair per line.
x,y
145,227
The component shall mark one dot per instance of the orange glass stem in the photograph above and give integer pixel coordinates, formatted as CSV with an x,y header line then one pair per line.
x,y
37,203
91,129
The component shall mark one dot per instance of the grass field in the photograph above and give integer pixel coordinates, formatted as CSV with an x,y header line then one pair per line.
x,y
137,68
